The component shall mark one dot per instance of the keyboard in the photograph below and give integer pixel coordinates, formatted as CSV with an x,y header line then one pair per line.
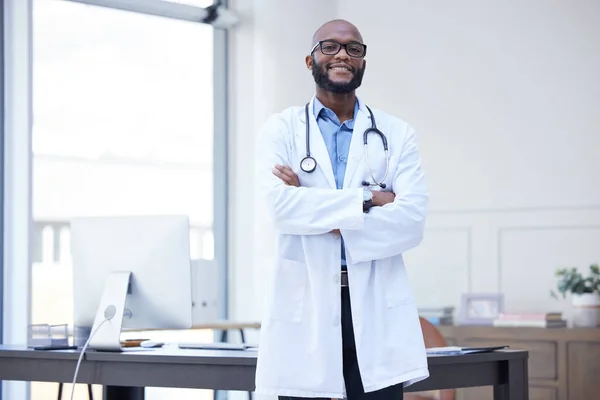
x,y
214,346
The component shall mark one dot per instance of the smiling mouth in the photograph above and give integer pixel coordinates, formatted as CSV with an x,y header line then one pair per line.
x,y
340,69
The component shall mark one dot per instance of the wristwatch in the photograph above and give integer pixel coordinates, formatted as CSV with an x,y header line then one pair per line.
x,y
367,200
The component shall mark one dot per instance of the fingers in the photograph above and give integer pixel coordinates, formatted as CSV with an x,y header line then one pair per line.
x,y
390,198
382,198
286,174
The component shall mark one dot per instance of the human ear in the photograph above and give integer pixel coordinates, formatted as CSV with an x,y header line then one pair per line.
x,y
309,62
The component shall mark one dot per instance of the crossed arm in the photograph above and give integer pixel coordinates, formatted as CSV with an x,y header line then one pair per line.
x,y
300,210
289,177
394,225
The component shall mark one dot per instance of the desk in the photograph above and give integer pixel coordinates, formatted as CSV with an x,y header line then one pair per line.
x,y
125,374
224,326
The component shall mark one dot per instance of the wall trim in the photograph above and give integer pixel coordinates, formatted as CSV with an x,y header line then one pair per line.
x,y
582,207
501,231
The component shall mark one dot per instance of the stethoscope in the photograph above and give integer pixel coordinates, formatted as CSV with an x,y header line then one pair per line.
x,y
309,164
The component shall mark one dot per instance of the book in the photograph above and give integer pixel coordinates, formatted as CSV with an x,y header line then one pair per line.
x,y
438,315
538,320
549,316
534,323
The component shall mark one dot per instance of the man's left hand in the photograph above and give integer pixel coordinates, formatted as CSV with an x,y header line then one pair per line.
x,y
287,175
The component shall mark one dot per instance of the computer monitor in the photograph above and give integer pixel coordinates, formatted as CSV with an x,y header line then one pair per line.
x,y
130,272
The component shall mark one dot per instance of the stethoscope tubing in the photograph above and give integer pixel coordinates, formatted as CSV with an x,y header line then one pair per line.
x,y
308,163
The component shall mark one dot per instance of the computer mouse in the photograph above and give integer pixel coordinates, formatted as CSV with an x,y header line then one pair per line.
x,y
151,344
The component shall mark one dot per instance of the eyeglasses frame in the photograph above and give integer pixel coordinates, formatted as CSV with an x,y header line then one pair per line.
x,y
342,46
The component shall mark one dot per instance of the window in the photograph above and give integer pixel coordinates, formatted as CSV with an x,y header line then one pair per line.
x,y
123,123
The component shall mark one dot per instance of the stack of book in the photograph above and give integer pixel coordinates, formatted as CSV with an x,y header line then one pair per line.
x,y
538,320
438,315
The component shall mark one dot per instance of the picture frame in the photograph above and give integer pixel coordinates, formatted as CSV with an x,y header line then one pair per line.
x,y
481,308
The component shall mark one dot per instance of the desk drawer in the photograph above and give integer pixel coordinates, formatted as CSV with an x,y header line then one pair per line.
x,y
487,393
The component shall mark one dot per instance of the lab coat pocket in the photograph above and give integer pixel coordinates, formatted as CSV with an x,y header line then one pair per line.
x,y
289,291
398,290
400,304
401,327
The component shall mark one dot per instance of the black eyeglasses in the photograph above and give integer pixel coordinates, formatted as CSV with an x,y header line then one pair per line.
x,y
331,48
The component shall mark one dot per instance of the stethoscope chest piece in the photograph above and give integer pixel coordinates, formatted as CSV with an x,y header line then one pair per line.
x,y
308,164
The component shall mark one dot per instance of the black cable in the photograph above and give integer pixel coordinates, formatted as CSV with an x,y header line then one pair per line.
x,y
212,13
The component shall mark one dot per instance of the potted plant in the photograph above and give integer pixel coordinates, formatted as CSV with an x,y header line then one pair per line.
x,y
585,294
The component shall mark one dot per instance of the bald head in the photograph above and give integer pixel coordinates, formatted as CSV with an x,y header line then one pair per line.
x,y
338,65
336,28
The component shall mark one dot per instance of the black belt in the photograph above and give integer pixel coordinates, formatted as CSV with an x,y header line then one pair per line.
x,y
344,278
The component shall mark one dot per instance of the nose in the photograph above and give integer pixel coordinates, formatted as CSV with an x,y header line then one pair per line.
x,y
342,54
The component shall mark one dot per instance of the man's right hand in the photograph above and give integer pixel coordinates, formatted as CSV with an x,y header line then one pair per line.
x,y
380,199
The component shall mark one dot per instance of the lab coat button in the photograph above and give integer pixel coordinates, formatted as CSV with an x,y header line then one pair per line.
x,y
336,321
336,278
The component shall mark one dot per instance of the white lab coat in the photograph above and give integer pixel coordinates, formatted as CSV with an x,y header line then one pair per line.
x,y
300,349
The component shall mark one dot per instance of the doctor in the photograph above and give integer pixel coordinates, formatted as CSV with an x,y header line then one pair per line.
x,y
340,319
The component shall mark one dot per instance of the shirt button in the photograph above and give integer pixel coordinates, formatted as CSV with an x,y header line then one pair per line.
x,y
342,159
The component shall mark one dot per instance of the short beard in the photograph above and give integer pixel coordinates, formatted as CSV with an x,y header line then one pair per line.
x,y
320,74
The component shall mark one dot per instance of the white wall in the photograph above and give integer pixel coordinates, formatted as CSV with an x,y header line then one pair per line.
x,y
267,75
505,99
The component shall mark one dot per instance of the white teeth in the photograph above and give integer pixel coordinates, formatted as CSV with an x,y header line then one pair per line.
x,y
340,69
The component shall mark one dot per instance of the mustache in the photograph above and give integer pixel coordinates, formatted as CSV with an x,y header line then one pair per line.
x,y
325,67
321,77
350,67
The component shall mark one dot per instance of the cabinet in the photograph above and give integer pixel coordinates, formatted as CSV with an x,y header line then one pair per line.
x,y
564,363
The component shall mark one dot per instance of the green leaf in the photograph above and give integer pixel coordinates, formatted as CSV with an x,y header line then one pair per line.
x,y
570,280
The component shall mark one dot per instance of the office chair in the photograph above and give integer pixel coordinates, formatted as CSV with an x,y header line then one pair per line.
x,y
433,338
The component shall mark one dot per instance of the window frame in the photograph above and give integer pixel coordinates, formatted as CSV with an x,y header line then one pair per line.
x,y
16,179
16,221
1,175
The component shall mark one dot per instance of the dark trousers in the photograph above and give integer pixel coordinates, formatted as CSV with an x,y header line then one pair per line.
x,y
354,386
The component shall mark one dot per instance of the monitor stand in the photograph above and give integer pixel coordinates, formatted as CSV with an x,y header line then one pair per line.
x,y
106,331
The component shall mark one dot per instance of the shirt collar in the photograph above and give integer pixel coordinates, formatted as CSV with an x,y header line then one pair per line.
x,y
318,108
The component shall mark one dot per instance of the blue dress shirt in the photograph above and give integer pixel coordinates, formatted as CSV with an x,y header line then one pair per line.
x,y
337,138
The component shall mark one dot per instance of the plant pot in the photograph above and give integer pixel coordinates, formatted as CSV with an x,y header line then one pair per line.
x,y
586,310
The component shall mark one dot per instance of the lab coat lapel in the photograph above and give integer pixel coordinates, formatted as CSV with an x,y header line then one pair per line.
x,y
318,149
356,152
